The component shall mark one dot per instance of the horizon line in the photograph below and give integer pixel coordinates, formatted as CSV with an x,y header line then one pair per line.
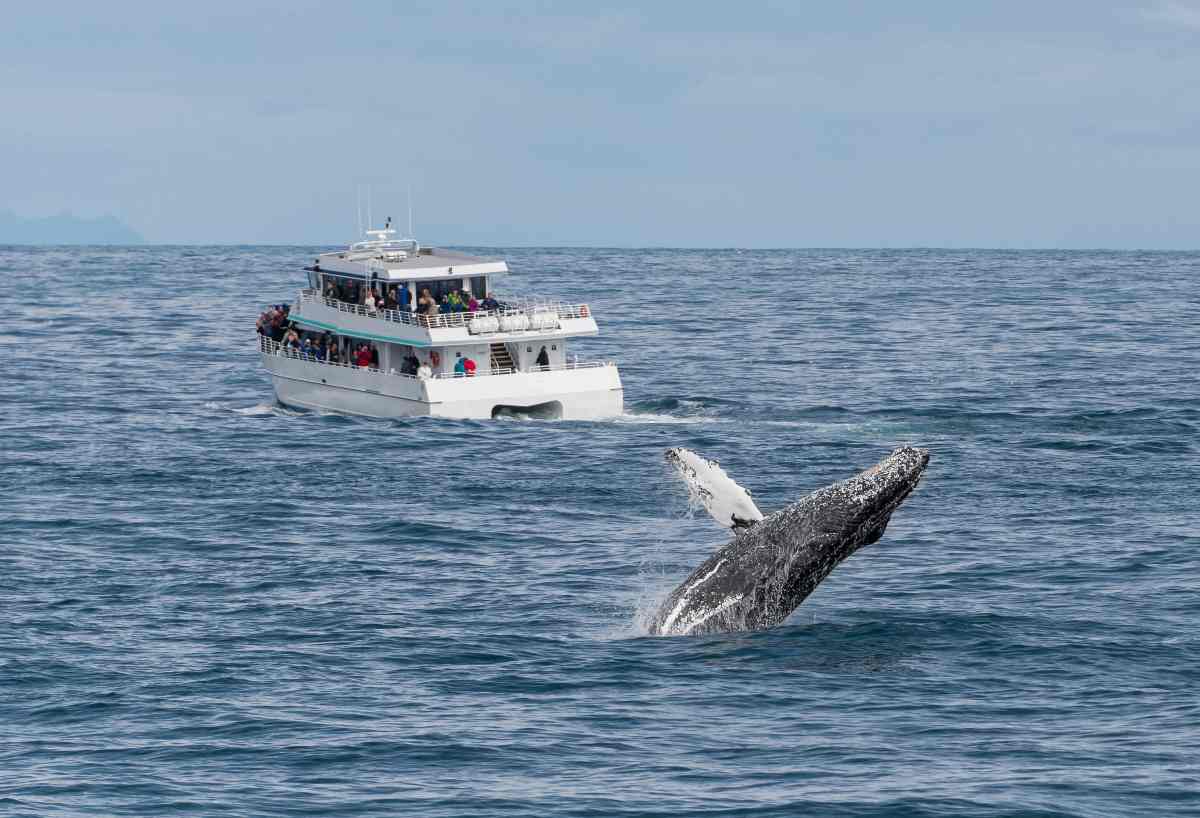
x,y
560,246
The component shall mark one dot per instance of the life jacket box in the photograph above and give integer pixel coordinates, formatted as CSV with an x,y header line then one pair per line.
x,y
483,324
514,322
544,319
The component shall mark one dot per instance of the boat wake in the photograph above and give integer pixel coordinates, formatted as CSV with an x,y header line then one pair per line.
x,y
651,417
257,410
672,410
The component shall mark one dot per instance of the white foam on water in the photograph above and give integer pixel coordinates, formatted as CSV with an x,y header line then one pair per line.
x,y
820,426
652,417
261,409
640,603
257,410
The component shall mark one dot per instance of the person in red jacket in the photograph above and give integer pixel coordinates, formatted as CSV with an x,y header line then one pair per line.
x,y
469,367
363,357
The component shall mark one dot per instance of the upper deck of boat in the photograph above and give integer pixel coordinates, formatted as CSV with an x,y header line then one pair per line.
x,y
389,262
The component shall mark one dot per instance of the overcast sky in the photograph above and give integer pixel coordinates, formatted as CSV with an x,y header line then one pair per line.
x,y
753,124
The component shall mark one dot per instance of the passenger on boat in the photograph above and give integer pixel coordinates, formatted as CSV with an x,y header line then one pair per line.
x,y
490,303
425,304
460,367
543,359
267,322
369,301
405,298
390,302
334,356
424,372
410,365
472,304
362,357
291,340
469,367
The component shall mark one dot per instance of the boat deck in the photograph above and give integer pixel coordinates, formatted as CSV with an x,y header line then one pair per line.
x,y
429,263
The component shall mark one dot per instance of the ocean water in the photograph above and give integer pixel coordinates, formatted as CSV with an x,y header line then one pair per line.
x,y
215,606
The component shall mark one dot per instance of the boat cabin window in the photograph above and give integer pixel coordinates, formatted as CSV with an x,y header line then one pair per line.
x,y
440,287
343,288
444,286
352,289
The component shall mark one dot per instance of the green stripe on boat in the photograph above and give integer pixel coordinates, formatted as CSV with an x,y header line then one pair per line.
x,y
355,334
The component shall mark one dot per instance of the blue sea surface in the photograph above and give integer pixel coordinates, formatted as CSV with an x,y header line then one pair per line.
x,y
213,605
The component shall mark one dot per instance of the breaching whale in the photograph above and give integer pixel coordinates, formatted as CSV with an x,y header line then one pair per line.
x,y
774,562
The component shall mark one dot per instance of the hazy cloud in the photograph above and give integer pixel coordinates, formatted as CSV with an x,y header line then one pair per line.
x,y
771,123
1177,14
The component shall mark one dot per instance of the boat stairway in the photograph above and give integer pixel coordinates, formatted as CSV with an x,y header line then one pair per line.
x,y
501,359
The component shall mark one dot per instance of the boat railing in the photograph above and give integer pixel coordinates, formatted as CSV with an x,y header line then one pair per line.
x,y
272,347
569,365
530,304
508,306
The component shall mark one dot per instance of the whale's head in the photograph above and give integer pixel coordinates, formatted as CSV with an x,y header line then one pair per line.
x,y
855,512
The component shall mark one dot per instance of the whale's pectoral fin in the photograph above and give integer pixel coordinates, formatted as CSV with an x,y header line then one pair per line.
x,y
708,485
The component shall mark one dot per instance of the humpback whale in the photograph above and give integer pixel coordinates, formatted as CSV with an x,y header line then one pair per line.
x,y
775,561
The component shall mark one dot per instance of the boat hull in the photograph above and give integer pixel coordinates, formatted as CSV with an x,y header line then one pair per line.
x,y
570,394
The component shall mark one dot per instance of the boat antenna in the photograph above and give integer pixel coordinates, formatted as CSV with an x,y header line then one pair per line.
x,y
370,221
358,207
410,232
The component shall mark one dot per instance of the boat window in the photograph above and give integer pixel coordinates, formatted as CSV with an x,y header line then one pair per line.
x,y
342,287
479,287
440,287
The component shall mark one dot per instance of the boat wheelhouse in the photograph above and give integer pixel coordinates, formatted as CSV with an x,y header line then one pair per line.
x,y
389,328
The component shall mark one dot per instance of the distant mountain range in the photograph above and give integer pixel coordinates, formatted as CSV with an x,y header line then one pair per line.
x,y
65,229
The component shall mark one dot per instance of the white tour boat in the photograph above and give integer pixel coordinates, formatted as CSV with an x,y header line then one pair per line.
x,y
422,350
